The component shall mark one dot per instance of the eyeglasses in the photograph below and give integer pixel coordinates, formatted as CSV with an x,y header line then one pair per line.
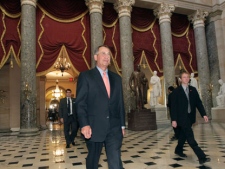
x,y
104,54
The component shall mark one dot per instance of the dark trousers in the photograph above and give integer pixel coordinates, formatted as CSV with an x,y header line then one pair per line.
x,y
112,143
70,129
186,133
176,131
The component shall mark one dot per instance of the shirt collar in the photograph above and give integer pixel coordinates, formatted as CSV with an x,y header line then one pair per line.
x,y
101,71
184,87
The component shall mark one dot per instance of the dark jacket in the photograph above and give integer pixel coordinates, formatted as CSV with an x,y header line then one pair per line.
x,y
63,111
94,108
179,106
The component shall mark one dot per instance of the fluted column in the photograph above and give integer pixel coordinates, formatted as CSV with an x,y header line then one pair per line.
x,y
198,19
163,12
124,8
95,10
28,117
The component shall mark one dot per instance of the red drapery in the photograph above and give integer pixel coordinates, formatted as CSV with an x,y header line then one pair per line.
x,y
111,33
146,39
63,27
183,42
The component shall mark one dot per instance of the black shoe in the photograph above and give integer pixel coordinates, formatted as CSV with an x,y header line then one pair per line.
x,y
202,161
67,146
181,154
73,143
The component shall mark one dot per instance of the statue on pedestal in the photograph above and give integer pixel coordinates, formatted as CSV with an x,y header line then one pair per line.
x,y
156,89
193,81
139,85
220,99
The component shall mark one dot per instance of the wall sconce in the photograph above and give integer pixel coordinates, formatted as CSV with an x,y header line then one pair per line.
x,y
27,91
210,88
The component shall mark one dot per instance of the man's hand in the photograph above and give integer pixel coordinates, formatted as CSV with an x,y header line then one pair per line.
x,y
123,132
206,118
86,131
61,120
174,124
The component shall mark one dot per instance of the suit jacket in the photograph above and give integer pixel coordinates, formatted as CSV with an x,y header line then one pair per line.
x,y
95,108
179,106
63,111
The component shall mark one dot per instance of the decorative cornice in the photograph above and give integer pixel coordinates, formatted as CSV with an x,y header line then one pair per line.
x,y
214,16
198,18
124,7
29,2
95,6
164,12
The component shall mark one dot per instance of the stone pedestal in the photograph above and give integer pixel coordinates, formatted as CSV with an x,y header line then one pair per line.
x,y
139,120
161,112
218,114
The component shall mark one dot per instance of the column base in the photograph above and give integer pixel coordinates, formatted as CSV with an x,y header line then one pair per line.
x,y
28,132
218,114
6,130
161,112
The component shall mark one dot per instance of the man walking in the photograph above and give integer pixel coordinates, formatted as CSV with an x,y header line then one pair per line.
x,y
185,100
100,110
67,115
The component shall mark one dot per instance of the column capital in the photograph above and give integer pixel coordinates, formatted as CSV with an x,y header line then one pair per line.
x,y
29,2
198,18
95,6
215,15
164,12
124,7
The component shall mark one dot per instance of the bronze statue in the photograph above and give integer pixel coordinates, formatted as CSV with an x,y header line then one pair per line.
x,y
139,85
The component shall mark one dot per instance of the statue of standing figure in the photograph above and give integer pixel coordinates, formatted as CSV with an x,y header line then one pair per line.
x,y
220,99
156,89
139,85
193,81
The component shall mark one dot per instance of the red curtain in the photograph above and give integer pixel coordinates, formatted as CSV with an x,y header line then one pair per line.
x,y
65,25
183,42
9,30
146,38
111,33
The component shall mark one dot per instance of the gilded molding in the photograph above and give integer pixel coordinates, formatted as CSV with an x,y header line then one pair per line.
x,y
164,12
95,6
29,2
198,18
124,7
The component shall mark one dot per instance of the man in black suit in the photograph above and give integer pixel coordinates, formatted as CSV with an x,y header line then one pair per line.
x,y
67,115
185,100
176,130
100,110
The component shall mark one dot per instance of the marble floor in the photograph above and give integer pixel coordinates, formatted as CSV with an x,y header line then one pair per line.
x,y
141,149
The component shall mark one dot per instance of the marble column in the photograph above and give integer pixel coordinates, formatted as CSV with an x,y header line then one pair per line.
x,y
28,118
215,46
124,7
95,10
163,12
198,19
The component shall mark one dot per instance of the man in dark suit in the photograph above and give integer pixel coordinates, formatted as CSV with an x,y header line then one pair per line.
x,y
67,115
176,130
100,110
185,100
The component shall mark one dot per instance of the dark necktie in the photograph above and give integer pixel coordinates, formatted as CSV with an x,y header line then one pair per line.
x,y
187,94
68,105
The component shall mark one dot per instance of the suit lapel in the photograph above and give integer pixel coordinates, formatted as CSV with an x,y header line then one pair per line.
x,y
183,92
100,81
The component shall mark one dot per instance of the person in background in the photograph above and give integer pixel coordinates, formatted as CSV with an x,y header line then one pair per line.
x,y
185,99
67,115
176,130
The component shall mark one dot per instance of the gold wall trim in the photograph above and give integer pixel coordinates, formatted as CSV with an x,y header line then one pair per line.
x,y
63,20
9,14
144,29
83,54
